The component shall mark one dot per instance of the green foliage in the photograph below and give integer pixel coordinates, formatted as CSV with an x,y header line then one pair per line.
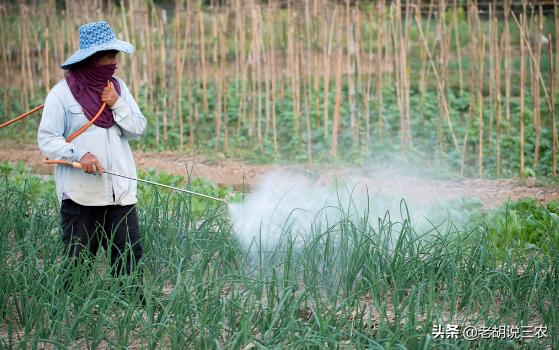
x,y
524,225
25,181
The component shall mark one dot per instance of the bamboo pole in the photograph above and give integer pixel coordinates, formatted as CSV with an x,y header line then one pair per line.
x,y
458,46
379,70
351,46
327,59
443,76
266,60
218,81
368,87
508,66
480,105
203,60
552,96
273,91
405,37
237,52
293,72
163,77
536,91
491,70
307,79
306,84
399,73
337,101
241,32
180,61
176,49
253,81
423,59
498,95
472,33
184,54
522,82
252,77
359,86
258,61
223,78
316,54
394,43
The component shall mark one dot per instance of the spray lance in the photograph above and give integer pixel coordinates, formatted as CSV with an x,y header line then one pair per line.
x,y
79,166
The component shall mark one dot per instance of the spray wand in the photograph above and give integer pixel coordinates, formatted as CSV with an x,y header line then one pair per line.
x,y
79,166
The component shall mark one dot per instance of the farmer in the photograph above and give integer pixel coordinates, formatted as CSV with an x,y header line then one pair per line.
x,y
96,208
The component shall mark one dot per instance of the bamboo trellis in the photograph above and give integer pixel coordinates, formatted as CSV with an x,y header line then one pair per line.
x,y
299,74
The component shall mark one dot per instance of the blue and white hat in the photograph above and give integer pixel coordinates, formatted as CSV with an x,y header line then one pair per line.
x,y
95,37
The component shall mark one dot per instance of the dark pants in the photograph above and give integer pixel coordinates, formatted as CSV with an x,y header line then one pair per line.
x,y
113,227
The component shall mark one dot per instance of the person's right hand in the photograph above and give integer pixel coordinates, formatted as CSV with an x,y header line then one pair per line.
x,y
91,165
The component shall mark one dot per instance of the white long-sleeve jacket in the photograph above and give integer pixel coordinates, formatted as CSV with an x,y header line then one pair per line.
x,y
62,116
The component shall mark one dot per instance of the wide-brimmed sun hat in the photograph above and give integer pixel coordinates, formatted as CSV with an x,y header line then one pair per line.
x,y
95,37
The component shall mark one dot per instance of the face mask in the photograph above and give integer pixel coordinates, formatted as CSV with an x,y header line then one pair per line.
x,y
105,71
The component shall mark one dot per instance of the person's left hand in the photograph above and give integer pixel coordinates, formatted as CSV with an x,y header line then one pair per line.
x,y
109,95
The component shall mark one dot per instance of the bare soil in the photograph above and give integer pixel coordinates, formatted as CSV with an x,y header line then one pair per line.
x,y
239,175
224,172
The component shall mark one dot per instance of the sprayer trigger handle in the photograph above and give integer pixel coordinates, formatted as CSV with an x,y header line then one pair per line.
x,y
76,165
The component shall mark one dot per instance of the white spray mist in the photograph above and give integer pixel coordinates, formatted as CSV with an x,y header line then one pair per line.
x,y
291,202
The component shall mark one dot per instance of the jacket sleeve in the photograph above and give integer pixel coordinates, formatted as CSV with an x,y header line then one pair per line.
x,y
50,136
127,114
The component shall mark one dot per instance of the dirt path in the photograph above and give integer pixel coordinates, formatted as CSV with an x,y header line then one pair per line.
x,y
236,173
222,172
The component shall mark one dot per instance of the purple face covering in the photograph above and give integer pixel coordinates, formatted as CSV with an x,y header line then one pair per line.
x,y
86,84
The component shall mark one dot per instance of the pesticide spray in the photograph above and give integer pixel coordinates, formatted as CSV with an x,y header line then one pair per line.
x,y
292,203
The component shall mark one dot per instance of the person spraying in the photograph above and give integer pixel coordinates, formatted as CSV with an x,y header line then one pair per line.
x,y
96,208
